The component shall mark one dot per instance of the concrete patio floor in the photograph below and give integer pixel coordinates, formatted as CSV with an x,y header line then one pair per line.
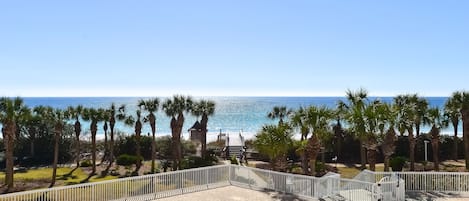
x,y
233,193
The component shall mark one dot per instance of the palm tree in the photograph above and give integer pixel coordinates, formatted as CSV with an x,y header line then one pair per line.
x,y
204,108
114,115
106,116
58,116
76,113
279,112
274,141
151,106
339,114
372,127
356,105
298,120
462,99
406,115
421,107
32,121
435,118
11,112
95,116
175,108
451,112
386,117
317,120
138,131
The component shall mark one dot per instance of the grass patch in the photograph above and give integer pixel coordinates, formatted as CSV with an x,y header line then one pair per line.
x,y
350,172
46,173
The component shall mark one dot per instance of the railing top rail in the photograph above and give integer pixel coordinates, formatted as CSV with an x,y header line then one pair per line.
x,y
417,172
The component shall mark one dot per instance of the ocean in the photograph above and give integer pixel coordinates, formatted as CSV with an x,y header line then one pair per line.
x,y
232,114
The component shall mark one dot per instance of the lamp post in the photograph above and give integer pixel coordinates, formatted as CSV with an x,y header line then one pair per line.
x,y
426,149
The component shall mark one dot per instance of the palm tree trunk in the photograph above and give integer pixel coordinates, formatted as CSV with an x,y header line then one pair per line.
x,y
362,155
435,134
139,155
111,147
203,122
411,149
312,166
153,151
386,163
153,142
56,156
78,147
106,147
417,129
94,129
77,135
372,159
9,135
435,148
180,124
304,162
174,143
455,142
465,128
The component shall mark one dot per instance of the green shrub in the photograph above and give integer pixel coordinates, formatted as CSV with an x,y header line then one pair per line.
x,y
397,163
86,163
320,167
234,160
127,160
195,162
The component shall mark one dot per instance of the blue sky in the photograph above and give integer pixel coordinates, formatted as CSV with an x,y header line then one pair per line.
x,y
247,48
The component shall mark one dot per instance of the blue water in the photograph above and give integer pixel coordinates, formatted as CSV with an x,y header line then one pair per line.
x,y
232,114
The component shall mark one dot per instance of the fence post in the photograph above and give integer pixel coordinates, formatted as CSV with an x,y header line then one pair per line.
x,y
206,176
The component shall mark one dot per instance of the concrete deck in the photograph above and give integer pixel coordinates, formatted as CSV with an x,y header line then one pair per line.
x,y
232,193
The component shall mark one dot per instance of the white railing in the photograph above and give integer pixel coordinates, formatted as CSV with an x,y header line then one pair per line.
x,y
391,186
432,181
133,188
300,185
355,190
376,186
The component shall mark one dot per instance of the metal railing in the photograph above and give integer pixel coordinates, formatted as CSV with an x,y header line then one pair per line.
x,y
133,188
355,190
300,185
375,185
449,182
390,186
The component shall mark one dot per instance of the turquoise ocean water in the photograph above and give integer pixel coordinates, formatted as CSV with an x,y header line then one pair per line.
x,y
232,114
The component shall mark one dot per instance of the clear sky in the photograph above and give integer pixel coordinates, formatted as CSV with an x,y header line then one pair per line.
x,y
242,47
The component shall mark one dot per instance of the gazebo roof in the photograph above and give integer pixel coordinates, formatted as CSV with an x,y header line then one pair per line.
x,y
196,126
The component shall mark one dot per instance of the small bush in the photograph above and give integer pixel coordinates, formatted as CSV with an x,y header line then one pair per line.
x,y
234,160
127,160
195,162
397,163
86,163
